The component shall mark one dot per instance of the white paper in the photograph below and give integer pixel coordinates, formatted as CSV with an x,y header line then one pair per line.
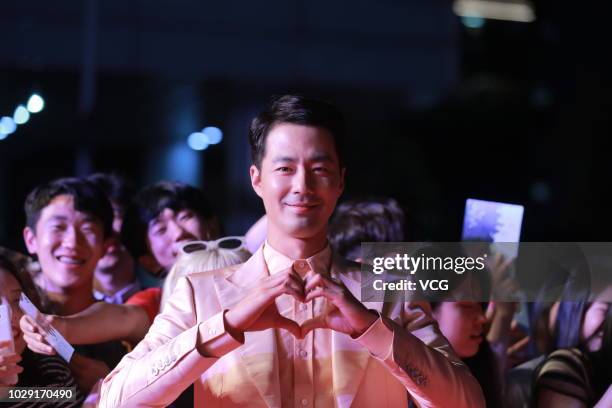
x,y
53,337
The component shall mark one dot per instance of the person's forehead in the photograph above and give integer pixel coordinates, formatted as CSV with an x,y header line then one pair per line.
x,y
286,140
168,213
62,206
466,303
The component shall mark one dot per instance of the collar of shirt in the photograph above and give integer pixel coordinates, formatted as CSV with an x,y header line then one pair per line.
x,y
121,295
276,261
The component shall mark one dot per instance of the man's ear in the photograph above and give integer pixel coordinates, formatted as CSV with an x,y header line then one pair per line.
x,y
255,179
29,237
149,263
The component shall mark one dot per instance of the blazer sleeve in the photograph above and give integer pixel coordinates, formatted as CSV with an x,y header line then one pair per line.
x,y
420,357
167,360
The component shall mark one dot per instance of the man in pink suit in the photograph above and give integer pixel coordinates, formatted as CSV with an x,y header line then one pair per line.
x,y
286,328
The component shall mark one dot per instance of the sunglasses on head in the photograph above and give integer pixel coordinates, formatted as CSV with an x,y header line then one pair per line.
x,y
232,243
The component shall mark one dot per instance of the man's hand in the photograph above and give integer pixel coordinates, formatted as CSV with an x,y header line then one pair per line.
x,y
344,313
257,311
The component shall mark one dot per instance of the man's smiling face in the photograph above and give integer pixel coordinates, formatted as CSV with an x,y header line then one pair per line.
x,y
299,180
169,230
68,244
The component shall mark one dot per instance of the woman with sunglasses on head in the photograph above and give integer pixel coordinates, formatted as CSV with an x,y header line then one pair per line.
x,y
201,256
98,323
217,254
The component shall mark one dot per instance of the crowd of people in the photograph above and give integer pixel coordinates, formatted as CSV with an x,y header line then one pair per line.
x,y
273,318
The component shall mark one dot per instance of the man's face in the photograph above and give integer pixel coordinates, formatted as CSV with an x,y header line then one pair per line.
x,y
116,255
299,181
168,231
68,243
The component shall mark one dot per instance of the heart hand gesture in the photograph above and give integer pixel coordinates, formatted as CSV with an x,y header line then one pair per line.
x,y
344,313
257,311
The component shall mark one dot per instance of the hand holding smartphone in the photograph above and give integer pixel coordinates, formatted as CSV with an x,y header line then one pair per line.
x,y
52,336
499,225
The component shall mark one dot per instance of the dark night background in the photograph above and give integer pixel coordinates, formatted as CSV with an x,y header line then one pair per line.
x,y
438,112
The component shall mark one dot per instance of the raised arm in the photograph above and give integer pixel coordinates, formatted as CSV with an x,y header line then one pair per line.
x,y
99,323
103,322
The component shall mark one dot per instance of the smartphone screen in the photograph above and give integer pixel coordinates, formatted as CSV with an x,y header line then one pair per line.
x,y
494,222
6,334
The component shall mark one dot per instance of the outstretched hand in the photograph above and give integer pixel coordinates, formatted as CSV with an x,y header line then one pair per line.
x,y
35,332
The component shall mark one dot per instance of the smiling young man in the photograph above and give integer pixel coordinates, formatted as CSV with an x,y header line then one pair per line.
x,y
285,328
161,218
68,224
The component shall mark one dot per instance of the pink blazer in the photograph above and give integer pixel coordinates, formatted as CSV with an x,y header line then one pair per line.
x,y
167,361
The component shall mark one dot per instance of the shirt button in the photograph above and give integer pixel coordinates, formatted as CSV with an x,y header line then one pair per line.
x,y
301,266
304,401
303,306
303,354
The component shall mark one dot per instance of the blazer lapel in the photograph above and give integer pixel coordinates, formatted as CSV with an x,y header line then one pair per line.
x,y
349,358
259,352
233,287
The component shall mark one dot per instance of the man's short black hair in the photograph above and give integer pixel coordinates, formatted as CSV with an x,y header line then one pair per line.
x,y
298,110
371,220
149,202
88,198
116,188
